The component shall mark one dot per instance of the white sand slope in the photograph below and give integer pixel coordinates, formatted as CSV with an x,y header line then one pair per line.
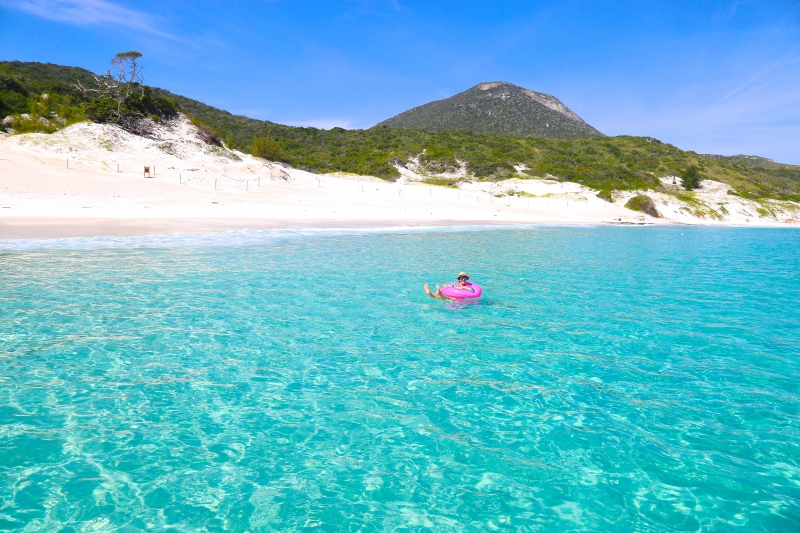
x,y
96,171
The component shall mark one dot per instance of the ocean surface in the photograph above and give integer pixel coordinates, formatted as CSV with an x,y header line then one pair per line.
x,y
611,379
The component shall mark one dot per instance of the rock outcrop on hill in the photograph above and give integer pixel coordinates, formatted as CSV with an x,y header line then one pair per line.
x,y
497,107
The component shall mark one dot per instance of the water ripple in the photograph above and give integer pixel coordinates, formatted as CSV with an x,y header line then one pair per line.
x,y
614,379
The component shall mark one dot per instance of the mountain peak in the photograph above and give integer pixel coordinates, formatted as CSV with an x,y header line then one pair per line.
x,y
497,107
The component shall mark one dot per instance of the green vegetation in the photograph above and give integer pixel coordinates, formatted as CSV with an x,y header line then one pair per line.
x,y
606,195
206,134
122,96
496,107
139,104
644,204
603,163
37,102
695,207
691,178
46,115
266,147
22,84
40,97
219,151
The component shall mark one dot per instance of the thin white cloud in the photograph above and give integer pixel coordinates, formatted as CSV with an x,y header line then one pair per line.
x,y
761,119
89,13
780,64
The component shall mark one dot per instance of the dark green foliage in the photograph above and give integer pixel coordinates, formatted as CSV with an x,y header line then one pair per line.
x,y
691,178
497,107
266,147
47,114
605,194
142,103
644,204
129,55
122,97
23,84
14,96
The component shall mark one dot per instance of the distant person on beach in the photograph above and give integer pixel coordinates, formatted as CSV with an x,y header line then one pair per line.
x,y
461,285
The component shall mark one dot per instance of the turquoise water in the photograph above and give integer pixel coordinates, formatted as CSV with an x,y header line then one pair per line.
x,y
611,379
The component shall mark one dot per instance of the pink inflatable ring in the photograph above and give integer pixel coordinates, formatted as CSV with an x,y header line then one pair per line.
x,y
472,290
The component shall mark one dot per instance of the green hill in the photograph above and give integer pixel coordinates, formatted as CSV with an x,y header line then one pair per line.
x,y
604,163
21,84
497,107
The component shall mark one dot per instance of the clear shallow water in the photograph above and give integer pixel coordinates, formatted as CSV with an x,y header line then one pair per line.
x,y
614,379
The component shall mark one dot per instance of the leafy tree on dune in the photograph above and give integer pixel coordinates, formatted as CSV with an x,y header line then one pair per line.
x,y
691,178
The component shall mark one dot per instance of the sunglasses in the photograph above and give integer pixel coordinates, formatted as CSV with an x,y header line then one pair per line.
x,y
459,279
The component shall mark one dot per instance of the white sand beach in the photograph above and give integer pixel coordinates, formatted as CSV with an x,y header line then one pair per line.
x,y
88,180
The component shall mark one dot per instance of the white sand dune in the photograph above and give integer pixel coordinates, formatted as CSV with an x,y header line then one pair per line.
x,y
91,176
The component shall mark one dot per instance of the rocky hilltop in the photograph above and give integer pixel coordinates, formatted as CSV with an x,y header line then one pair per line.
x,y
497,107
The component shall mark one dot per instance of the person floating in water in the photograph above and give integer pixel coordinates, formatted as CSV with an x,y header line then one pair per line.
x,y
461,285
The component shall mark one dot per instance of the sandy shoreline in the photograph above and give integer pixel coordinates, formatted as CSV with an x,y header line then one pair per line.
x,y
88,180
14,228
59,228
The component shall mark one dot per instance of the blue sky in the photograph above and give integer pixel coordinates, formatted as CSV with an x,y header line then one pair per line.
x,y
710,76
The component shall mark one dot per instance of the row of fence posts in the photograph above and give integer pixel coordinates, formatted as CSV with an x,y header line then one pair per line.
x,y
146,169
400,192
319,184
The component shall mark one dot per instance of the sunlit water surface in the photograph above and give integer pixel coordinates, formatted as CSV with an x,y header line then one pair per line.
x,y
611,379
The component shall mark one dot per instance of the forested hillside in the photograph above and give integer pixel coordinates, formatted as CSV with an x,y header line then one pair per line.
x,y
603,163
497,107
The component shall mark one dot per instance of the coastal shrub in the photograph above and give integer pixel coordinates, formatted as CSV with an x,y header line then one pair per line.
x,y
168,148
46,115
492,170
122,97
266,147
691,178
21,94
220,151
141,104
606,195
644,204
442,182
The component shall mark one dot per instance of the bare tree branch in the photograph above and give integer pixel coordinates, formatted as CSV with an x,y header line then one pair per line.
x,y
120,86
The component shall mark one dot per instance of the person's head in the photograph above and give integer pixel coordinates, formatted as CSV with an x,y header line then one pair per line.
x,y
463,278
